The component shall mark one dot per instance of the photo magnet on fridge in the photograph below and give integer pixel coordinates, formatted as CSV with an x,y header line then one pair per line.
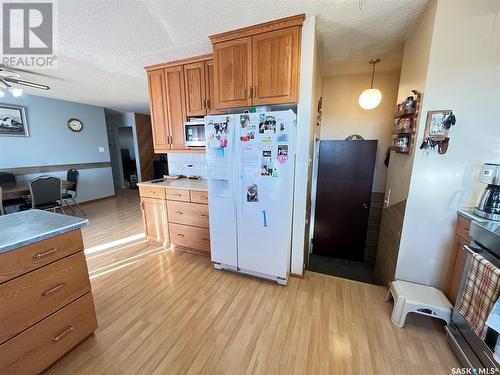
x,y
268,125
282,155
252,193
244,121
266,154
266,167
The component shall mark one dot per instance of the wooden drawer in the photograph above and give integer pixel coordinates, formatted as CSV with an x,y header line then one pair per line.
x,y
152,192
199,196
188,213
38,347
30,298
28,258
462,228
192,237
178,195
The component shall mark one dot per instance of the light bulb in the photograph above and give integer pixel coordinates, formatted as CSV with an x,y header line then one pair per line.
x,y
370,98
16,92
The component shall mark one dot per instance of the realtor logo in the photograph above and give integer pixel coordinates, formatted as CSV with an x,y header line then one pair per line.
x,y
28,34
27,29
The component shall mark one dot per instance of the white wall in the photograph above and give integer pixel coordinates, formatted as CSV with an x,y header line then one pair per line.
x,y
52,143
342,115
463,75
309,93
413,75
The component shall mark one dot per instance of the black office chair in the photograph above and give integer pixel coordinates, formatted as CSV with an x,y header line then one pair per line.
x,y
45,194
8,180
72,176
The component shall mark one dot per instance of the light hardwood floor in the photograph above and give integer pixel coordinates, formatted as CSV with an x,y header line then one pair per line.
x,y
168,312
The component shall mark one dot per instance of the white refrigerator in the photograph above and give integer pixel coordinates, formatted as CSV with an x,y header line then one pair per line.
x,y
251,164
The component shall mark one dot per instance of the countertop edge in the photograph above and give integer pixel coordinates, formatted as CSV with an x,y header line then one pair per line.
x,y
172,184
467,213
43,236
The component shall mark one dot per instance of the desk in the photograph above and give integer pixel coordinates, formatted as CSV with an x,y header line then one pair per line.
x,y
14,191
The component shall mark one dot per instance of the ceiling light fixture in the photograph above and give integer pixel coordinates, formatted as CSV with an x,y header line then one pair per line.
x,y
16,92
370,98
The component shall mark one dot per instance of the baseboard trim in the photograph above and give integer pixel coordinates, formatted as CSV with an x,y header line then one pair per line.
x,y
296,275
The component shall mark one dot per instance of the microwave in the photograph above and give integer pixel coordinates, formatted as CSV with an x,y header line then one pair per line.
x,y
194,133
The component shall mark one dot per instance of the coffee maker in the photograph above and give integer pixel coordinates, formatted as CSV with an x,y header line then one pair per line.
x,y
489,204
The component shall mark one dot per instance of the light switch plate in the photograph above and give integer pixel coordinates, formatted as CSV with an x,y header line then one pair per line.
x,y
101,149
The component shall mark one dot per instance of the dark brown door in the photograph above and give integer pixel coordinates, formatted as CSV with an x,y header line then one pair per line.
x,y
345,179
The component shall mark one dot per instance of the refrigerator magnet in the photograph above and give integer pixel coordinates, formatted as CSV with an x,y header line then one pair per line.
x,y
282,138
252,193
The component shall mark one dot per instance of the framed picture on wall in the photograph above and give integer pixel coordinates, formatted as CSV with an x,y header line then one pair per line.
x,y
13,121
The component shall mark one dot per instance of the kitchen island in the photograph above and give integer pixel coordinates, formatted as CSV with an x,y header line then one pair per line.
x,y
176,212
46,305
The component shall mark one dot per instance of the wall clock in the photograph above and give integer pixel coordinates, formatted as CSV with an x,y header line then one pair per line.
x,y
75,125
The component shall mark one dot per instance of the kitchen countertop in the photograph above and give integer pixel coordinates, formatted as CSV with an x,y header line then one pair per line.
x,y
181,183
27,227
467,212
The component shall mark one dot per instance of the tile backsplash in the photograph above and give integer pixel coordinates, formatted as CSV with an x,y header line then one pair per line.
x,y
180,164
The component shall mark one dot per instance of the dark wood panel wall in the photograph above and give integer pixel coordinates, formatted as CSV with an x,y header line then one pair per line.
x,y
145,144
372,233
391,226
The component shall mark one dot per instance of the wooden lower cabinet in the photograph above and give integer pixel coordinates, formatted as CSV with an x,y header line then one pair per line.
x,y
154,216
190,237
178,216
38,347
47,309
457,259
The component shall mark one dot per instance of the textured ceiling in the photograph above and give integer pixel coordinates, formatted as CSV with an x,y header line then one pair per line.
x,y
104,45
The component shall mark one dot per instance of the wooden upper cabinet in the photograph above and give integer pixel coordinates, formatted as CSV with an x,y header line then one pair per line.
x,y
196,91
233,73
258,65
210,88
275,58
176,106
156,84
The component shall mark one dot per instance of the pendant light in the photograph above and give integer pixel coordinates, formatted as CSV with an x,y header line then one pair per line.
x,y
370,98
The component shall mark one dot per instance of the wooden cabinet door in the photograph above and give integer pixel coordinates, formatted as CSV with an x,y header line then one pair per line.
x,y
456,268
210,88
154,216
233,73
275,60
195,85
176,106
160,130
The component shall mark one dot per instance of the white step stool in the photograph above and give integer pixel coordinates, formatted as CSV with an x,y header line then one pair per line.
x,y
422,299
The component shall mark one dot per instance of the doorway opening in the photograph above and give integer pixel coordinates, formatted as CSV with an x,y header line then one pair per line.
x,y
128,156
344,243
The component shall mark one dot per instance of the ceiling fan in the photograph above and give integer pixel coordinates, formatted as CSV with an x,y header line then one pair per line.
x,y
11,78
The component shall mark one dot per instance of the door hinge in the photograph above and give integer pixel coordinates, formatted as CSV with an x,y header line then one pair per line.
x,y
207,105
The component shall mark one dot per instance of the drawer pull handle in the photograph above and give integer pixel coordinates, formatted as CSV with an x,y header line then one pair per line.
x,y
203,215
179,212
205,239
52,290
45,253
63,333
180,235
178,195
